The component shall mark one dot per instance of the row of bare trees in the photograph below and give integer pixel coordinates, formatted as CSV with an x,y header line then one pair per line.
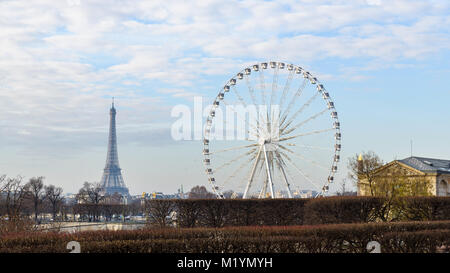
x,y
92,204
19,198
27,200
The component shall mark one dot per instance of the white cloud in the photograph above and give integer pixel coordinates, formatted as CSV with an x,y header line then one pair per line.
x,y
61,60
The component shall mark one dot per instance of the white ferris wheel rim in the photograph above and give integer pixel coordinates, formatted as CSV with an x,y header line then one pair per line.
x,y
308,77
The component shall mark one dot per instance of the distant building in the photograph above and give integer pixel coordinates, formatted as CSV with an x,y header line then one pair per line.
x,y
112,181
70,198
159,195
304,194
436,172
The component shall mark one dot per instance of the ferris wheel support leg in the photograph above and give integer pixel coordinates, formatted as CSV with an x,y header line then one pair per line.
x,y
285,179
262,193
252,174
269,173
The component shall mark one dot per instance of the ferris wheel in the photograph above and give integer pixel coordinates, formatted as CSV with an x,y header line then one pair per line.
x,y
272,132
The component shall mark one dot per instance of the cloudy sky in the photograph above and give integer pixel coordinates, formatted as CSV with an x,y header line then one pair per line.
x,y
386,64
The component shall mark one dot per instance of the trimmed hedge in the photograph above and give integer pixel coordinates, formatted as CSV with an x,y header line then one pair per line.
x,y
334,210
284,212
424,241
343,238
426,208
227,212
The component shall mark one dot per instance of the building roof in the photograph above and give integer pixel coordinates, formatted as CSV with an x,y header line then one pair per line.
x,y
425,164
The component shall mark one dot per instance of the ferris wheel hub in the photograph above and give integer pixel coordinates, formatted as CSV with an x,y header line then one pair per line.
x,y
271,146
270,141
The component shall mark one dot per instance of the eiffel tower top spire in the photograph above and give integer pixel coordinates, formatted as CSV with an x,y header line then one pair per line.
x,y
112,181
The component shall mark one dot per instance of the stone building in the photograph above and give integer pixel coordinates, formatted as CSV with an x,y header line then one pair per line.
x,y
436,172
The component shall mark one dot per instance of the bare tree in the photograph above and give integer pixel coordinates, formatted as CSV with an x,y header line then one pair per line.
x,y
54,196
13,194
344,191
159,211
2,196
187,212
113,199
34,190
362,167
200,192
91,193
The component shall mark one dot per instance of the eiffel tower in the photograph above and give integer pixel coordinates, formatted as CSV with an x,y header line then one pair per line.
x,y
112,181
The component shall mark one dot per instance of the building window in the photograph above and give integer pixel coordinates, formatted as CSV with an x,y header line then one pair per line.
x,y
443,188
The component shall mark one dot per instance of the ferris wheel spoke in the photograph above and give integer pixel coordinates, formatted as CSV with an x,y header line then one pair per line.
x,y
280,164
283,154
272,97
305,159
233,160
301,123
287,170
287,86
303,174
284,148
234,148
245,121
249,132
274,86
237,171
242,102
238,96
251,90
304,106
310,147
262,84
293,100
306,134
